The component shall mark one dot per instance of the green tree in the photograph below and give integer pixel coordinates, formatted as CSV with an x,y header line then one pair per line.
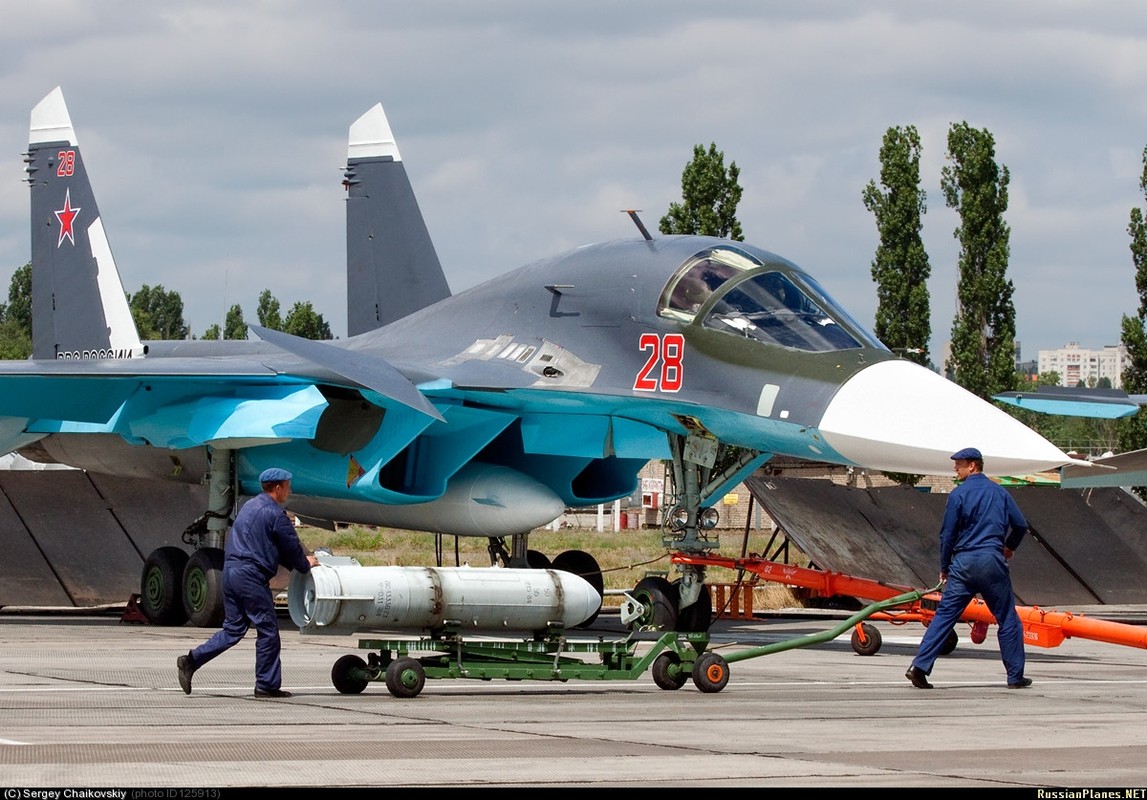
x,y
234,326
900,267
710,195
158,313
303,321
983,331
16,316
268,311
14,343
213,333
19,309
1133,429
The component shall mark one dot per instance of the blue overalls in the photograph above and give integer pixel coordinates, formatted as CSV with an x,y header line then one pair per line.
x,y
980,520
261,539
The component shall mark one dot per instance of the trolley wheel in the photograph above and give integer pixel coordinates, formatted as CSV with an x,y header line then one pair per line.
x,y
405,677
710,672
161,586
950,643
667,673
697,617
203,588
349,675
583,564
871,643
659,597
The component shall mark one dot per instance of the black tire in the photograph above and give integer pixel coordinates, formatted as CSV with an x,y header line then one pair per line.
x,y
161,586
710,672
582,563
698,617
203,588
405,677
950,643
535,559
659,597
349,675
871,643
667,673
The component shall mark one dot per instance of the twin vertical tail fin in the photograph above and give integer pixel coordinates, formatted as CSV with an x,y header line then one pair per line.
x,y
392,268
79,309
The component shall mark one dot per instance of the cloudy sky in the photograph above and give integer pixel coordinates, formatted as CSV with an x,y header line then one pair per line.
x,y
215,134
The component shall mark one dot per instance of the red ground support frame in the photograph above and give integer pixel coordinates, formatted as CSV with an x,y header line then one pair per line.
x,y
1042,627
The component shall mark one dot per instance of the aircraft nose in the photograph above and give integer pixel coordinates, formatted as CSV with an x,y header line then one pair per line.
x,y
898,416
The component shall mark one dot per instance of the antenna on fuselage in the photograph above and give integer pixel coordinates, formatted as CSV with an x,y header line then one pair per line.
x,y
632,212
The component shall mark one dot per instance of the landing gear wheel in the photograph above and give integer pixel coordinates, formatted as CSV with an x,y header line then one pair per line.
x,y
871,642
203,588
161,586
667,673
659,597
950,643
710,672
535,559
349,675
405,677
582,563
697,617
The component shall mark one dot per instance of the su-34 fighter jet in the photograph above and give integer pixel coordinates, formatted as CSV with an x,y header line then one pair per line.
x,y
482,413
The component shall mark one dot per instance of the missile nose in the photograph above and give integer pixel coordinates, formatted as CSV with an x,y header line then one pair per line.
x,y
898,416
580,599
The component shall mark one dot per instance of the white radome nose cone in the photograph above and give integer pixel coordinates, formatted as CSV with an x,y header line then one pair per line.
x,y
898,416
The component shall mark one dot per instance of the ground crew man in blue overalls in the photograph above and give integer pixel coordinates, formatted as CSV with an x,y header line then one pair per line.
x,y
261,538
981,530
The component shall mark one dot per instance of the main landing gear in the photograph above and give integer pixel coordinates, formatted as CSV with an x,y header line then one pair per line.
x,y
177,586
686,604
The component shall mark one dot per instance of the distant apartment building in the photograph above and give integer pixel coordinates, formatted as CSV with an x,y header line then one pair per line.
x,y
1026,368
1076,364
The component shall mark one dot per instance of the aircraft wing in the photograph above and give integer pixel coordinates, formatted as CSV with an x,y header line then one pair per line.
x,y
1075,402
359,368
184,402
1124,469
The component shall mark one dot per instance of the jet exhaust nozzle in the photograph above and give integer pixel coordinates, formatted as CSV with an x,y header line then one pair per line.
x,y
346,596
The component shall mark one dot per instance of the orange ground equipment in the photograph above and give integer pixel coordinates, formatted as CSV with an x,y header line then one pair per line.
x,y
1042,627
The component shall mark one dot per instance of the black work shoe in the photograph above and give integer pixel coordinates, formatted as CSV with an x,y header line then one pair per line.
x,y
918,678
1022,683
186,670
272,693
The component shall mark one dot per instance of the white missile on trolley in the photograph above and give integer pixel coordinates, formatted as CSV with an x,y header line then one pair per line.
x,y
340,595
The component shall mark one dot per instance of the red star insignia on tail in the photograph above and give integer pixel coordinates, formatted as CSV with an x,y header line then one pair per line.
x,y
67,216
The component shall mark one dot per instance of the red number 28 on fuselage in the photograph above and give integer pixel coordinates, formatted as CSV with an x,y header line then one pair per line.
x,y
663,370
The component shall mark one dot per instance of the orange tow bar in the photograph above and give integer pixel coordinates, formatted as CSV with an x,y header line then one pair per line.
x,y
1042,627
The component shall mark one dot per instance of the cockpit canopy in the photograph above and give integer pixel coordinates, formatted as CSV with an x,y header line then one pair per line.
x,y
726,289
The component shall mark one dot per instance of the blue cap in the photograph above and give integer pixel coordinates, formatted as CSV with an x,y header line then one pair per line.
x,y
967,454
274,474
